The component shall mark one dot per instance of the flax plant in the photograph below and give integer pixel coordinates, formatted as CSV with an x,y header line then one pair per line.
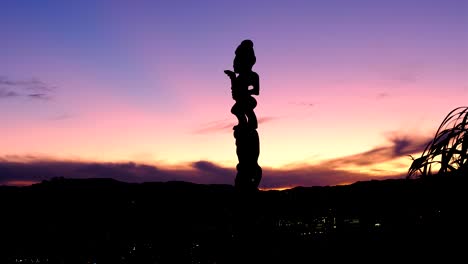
x,y
447,153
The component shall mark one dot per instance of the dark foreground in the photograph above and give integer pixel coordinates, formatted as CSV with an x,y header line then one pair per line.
x,y
105,221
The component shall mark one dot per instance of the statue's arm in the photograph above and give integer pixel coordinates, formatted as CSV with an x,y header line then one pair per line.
x,y
231,76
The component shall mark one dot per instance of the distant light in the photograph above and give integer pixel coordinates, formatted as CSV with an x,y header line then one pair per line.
x,y
377,224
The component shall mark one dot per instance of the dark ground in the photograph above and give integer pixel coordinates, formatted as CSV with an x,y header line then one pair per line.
x,y
105,221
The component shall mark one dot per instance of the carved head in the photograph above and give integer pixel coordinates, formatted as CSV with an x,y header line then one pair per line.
x,y
245,57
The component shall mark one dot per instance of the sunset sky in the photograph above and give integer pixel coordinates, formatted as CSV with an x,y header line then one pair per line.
x,y
135,90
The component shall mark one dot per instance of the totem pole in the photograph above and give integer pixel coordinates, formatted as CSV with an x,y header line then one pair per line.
x,y
244,84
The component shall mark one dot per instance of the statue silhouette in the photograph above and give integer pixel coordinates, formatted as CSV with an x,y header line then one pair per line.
x,y
243,109
249,173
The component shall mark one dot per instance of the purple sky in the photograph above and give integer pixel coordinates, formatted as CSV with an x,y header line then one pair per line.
x,y
112,82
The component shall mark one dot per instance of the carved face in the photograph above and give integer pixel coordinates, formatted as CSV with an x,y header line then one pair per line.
x,y
241,65
236,65
245,57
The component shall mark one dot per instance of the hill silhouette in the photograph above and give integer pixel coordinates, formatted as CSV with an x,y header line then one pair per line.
x,y
107,221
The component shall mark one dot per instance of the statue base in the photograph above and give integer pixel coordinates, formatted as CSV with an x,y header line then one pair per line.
x,y
249,173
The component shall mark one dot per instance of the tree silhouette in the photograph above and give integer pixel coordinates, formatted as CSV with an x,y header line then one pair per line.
x,y
448,151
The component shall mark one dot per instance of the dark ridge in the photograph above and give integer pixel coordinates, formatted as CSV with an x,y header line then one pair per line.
x,y
107,221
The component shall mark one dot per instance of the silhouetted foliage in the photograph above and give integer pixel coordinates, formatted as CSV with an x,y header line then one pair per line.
x,y
448,151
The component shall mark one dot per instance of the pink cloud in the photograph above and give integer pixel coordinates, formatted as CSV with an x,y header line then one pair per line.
x,y
225,125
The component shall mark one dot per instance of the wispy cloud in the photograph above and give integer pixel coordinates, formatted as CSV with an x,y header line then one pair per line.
x,y
32,84
399,146
382,95
303,103
4,93
30,88
226,125
41,96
